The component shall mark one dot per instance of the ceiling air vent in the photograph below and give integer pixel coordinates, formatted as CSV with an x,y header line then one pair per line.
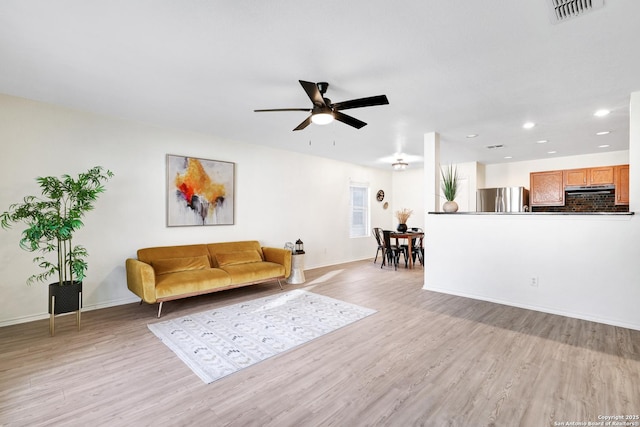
x,y
493,147
563,10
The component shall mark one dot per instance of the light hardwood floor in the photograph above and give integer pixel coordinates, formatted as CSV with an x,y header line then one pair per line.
x,y
424,359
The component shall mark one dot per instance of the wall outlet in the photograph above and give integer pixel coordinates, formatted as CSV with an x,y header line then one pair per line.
x,y
533,281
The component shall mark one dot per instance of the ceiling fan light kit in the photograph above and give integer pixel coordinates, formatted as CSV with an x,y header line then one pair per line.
x,y
322,118
324,111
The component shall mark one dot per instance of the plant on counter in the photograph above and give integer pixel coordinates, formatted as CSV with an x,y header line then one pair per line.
x,y
52,220
449,182
449,186
403,215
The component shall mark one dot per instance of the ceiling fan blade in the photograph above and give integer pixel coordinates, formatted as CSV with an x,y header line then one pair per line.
x,y
361,102
313,92
282,109
304,124
351,121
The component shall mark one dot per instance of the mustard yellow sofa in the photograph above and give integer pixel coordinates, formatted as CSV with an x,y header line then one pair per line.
x,y
167,273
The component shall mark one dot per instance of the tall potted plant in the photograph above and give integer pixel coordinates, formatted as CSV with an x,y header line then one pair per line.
x,y
51,220
449,186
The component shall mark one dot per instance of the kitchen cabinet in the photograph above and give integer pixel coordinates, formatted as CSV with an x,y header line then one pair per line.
x,y
546,188
576,176
601,176
621,175
589,176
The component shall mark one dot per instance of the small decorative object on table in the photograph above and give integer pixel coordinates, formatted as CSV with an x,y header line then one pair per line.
x,y
297,265
403,216
449,188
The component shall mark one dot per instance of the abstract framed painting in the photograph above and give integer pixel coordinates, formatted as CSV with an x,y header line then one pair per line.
x,y
199,191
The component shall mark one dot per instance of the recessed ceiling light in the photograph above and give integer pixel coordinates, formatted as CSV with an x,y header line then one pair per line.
x,y
601,113
542,141
528,125
606,132
472,135
508,157
551,152
604,146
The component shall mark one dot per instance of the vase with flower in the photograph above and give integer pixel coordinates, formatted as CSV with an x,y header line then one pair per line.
x,y
403,216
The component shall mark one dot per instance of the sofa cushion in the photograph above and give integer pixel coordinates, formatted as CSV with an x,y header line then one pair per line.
x,y
226,247
238,257
149,255
254,272
173,265
190,282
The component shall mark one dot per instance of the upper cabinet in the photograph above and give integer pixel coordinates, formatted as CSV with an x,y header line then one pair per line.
x,y
591,176
621,175
547,188
576,177
601,176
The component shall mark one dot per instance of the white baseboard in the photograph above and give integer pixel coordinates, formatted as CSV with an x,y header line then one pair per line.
x,y
581,316
34,317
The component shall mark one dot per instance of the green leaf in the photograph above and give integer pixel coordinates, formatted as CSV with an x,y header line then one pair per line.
x,y
449,182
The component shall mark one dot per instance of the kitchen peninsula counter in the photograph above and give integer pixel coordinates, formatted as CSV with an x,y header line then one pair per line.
x,y
582,264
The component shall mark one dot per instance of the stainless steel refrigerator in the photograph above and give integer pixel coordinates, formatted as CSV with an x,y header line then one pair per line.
x,y
503,199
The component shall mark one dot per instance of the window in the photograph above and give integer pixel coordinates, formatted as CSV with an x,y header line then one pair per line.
x,y
359,210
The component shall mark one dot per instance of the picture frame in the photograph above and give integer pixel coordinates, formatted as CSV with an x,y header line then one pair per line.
x,y
199,191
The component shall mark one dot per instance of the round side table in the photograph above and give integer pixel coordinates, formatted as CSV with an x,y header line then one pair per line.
x,y
297,270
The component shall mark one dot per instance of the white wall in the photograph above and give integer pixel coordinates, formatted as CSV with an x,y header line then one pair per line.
x,y
280,196
587,266
407,191
467,185
634,154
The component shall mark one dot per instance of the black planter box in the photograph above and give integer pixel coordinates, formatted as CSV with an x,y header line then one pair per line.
x,y
67,297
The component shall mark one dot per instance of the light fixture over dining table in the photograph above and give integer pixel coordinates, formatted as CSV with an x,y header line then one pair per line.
x,y
400,165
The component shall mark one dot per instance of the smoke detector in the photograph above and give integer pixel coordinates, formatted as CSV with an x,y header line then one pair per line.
x,y
563,10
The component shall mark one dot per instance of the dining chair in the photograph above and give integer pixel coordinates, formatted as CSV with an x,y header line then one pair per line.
x,y
377,233
391,252
417,250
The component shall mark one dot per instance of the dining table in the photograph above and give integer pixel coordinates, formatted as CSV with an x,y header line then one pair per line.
x,y
410,236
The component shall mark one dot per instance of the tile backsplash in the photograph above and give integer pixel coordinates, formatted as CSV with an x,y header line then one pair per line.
x,y
593,202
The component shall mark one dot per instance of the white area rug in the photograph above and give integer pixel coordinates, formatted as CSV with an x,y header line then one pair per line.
x,y
219,342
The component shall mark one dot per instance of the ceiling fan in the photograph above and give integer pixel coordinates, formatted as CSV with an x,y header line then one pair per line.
x,y
323,111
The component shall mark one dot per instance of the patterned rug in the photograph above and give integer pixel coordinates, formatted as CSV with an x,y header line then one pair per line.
x,y
216,343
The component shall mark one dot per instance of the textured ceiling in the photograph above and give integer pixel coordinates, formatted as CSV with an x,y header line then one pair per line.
x,y
456,67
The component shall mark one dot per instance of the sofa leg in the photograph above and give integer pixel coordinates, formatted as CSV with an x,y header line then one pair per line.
x,y
280,284
160,309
